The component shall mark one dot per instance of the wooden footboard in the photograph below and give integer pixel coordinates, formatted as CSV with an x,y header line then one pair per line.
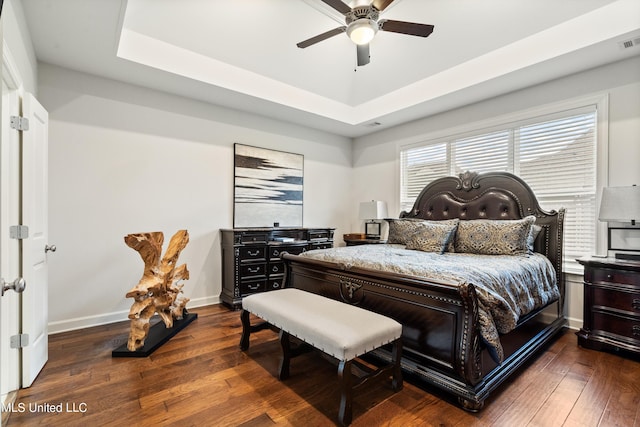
x,y
442,344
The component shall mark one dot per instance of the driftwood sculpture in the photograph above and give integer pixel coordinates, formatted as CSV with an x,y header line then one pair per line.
x,y
157,291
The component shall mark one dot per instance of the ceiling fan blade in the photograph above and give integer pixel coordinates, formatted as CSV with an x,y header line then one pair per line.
x,y
411,28
320,37
381,4
338,5
363,54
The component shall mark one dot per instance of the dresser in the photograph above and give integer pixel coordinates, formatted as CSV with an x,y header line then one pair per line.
x,y
611,305
251,257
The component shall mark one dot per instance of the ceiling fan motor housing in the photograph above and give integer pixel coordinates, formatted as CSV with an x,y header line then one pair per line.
x,y
362,12
362,24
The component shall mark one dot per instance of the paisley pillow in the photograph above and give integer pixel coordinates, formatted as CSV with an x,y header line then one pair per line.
x,y
432,236
494,237
401,229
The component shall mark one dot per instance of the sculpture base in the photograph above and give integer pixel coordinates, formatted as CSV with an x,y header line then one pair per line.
x,y
158,335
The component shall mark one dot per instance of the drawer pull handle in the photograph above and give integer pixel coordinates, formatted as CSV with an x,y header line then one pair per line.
x,y
254,288
275,269
636,331
636,303
253,253
276,253
276,285
609,276
254,270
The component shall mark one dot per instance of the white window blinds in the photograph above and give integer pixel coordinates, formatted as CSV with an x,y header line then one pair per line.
x,y
555,155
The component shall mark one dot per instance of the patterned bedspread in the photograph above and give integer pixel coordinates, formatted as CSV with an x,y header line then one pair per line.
x,y
508,286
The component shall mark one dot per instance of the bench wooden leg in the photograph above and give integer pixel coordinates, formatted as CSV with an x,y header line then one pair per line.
x,y
346,392
246,330
286,355
396,356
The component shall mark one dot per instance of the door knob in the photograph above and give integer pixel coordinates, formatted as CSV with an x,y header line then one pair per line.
x,y
17,285
51,248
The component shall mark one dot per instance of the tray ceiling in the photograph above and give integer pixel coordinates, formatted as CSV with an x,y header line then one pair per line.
x,y
243,55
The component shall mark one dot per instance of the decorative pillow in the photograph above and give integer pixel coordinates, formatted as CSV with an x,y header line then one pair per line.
x,y
531,239
432,236
494,237
403,228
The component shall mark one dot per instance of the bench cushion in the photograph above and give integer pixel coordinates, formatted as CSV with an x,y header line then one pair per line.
x,y
338,329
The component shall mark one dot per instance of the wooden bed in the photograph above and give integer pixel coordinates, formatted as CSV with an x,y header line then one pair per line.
x,y
442,343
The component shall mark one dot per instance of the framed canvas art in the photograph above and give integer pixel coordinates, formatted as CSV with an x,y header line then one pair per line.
x,y
267,187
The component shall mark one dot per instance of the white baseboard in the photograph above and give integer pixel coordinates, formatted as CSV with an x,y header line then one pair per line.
x,y
119,316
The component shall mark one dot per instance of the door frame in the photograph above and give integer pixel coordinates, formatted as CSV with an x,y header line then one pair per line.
x,y
10,203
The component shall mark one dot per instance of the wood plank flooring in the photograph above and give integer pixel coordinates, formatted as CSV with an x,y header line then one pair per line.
x,y
201,378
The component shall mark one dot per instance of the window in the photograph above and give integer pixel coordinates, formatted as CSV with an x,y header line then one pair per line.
x,y
555,154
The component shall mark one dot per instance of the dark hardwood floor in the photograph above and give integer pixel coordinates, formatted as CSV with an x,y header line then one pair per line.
x,y
201,378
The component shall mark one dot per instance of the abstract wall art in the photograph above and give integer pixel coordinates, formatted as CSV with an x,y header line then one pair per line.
x,y
267,187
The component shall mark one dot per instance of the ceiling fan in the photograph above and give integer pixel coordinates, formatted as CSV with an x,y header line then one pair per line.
x,y
362,25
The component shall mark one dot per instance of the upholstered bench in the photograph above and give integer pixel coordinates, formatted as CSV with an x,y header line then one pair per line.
x,y
338,329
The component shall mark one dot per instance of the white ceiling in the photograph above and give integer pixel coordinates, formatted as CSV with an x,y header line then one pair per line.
x,y
243,54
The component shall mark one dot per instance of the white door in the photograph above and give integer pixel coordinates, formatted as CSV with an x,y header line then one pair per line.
x,y
35,304
9,248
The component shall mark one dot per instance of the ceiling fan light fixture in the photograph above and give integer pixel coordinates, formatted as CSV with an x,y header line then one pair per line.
x,y
362,31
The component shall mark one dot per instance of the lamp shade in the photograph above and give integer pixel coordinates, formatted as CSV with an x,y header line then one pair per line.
x,y
375,209
362,30
620,204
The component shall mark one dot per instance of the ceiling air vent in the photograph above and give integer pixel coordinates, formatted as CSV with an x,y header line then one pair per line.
x,y
629,43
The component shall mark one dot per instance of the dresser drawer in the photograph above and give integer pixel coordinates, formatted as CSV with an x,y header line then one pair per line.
x,y
253,270
617,299
321,245
254,237
608,275
273,284
276,268
247,288
618,325
319,235
252,253
277,250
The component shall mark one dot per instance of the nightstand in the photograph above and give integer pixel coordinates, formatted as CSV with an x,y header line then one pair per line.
x,y
611,305
354,242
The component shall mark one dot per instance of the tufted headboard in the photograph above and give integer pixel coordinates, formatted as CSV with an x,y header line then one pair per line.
x,y
492,195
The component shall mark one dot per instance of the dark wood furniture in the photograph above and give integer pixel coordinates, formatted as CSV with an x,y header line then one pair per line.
x,y
251,257
441,338
611,305
355,242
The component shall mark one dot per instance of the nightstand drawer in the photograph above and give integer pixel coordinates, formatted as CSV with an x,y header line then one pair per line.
x,y
617,325
617,299
607,275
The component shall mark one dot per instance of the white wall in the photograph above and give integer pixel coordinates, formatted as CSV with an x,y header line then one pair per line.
x,y
376,173
124,159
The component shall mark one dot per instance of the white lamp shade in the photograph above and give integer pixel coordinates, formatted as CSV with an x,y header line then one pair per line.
x,y
362,30
375,209
620,204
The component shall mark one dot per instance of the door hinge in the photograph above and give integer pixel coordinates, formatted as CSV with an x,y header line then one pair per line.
x,y
19,232
19,123
19,341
